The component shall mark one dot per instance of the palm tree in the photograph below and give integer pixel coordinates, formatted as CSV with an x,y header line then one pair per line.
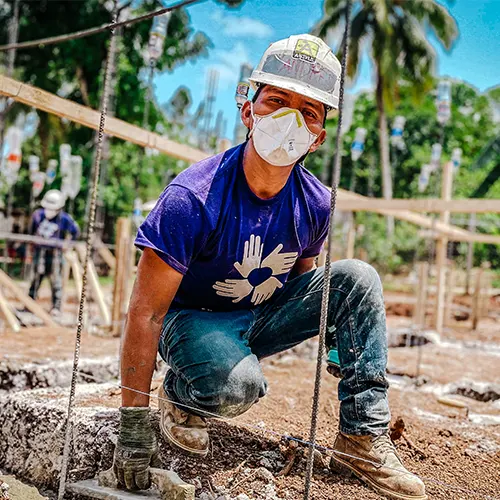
x,y
396,33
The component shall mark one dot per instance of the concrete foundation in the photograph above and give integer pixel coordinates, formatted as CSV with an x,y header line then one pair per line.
x,y
15,376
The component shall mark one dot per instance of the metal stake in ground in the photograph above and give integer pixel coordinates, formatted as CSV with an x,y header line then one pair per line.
x,y
326,276
95,186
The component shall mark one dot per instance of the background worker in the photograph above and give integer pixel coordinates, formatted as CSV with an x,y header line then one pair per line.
x,y
228,277
51,223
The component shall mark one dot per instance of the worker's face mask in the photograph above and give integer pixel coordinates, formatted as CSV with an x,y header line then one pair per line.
x,y
282,137
50,213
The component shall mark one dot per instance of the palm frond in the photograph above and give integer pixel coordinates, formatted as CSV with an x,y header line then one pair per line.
x,y
437,16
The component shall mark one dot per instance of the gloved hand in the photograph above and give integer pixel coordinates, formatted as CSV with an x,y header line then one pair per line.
x,y
136,449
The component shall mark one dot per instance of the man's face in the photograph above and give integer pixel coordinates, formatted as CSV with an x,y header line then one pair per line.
x,y
272,98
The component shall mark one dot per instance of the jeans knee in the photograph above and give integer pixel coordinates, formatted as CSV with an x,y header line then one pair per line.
x,y
243,386
357,273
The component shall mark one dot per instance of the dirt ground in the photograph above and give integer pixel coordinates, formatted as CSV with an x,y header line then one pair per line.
x,y
455,450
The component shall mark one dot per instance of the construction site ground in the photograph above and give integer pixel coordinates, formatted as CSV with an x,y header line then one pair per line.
x,y
455,449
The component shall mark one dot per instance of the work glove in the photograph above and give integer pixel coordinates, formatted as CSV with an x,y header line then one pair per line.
x,y
136,449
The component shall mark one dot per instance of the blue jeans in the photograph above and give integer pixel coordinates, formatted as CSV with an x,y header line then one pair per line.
x,y
214,356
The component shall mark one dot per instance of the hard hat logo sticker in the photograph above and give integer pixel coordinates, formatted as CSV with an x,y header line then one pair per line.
x,y
306,50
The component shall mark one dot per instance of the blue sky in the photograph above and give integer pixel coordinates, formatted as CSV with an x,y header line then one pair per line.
x,y
242,35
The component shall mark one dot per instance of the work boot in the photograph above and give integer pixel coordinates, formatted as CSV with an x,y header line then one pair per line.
x,y
181,429
378,466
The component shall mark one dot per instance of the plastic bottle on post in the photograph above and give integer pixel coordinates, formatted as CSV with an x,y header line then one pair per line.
x,y
397,132
34,166
157,36
38,180
358,144
137,217
14,137
436,156
76,176
423,178
456,158
51,172
241,95
64,158
443,101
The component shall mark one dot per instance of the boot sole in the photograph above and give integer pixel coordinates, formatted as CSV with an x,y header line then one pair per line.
x,y
340,466
170,438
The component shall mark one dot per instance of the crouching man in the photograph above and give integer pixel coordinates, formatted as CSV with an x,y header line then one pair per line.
x,y
228,278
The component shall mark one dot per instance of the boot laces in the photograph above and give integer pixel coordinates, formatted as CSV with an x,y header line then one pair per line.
x,y
383,444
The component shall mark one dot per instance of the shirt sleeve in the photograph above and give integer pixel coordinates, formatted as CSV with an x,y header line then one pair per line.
x,y
176,229
318,236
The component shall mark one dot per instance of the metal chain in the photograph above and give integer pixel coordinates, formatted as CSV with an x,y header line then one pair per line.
x,y
99,29
88,249
326,276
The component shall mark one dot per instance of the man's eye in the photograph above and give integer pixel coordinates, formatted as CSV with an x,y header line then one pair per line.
x,y
275,99
309,113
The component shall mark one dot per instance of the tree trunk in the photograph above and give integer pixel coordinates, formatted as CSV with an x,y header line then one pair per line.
x,y
385,161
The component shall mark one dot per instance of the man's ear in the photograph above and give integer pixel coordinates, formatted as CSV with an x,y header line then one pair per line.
x,y
246,115
318,142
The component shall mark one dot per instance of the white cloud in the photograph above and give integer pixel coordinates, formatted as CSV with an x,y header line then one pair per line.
x,y
228,62
236,26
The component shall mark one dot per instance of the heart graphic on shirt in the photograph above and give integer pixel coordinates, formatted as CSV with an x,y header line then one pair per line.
x,y
251,263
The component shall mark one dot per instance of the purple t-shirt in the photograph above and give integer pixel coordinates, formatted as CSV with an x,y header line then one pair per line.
x,y
234,249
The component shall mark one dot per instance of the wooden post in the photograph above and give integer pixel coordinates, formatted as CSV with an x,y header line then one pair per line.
x,y
26,300
351,239
421,304
8,314
476,299
449,296
122,255
441,248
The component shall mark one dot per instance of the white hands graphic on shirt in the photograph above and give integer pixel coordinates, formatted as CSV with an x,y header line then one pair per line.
x,y
264,291
252,253
279,263
233,288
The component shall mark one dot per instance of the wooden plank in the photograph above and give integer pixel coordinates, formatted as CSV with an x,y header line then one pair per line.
x,y
97,292
466,206
453,232
51,103
76,271
26,300
106,255
7,313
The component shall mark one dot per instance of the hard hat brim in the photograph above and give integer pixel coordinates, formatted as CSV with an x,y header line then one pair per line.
x,y
260,78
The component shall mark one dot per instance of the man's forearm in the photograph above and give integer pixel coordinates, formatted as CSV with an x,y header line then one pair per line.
x,y
138,357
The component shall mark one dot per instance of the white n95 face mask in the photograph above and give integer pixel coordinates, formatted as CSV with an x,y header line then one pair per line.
x,y
282,137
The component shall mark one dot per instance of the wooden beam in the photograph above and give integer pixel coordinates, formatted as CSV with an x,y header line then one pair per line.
x,y
7,313
40,99
26,300
454,233
97,292
106,255
466,206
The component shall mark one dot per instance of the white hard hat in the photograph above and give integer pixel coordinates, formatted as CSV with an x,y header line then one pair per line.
x,y
304,64
53,200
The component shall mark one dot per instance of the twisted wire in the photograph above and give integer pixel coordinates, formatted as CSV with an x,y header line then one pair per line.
x,y
326,276
88,249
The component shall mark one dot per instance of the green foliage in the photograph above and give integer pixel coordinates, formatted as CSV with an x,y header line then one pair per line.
x,y
75,70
